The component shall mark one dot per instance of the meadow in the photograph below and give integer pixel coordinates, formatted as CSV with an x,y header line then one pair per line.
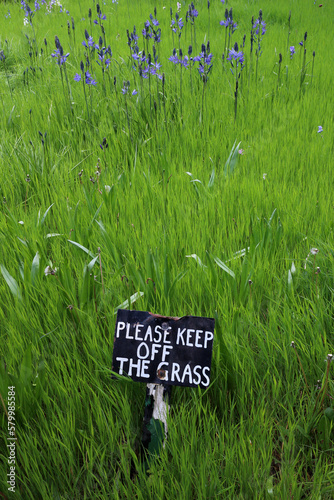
x,y
167,169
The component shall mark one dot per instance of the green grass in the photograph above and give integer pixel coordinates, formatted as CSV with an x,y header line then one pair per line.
x,y
258,431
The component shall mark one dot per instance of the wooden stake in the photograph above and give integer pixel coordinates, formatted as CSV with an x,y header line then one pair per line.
x,y
154,433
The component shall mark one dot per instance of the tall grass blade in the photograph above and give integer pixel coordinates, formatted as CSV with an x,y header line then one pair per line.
x,y
11,282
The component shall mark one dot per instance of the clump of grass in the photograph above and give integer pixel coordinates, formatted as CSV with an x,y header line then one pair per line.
x,y
173,219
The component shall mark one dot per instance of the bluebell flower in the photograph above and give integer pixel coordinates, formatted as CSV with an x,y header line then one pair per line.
x,y
126,86
184,62
153,69
205,62
155,22
259,24
61,58
234,55
320,129
132,37
173,58
88,79
77,77
150,31
177,24
90,43
192,12
179,59
104,144
146,31
27,10
292,51
260,28
198,58
102,53
157,36
101,16
229,23
139,57
236,58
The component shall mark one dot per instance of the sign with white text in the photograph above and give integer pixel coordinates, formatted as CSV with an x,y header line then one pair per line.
x,y
153,349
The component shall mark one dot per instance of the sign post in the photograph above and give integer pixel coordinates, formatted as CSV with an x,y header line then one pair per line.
x,y
162,351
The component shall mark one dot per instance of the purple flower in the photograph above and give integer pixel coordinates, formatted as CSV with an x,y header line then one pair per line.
x,y
90,42
27,10
102,17
229,22
102,53
301,43
146,34
88,79
155,22
61,58
77,77
208,59
126,88
174,59
192,12
153,69
177,24
292,51
184,62
320,129
138,57
198,58
259,23
104,144
236,57
204,59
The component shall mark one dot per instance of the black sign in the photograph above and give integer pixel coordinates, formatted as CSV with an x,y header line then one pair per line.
x,y
151,348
